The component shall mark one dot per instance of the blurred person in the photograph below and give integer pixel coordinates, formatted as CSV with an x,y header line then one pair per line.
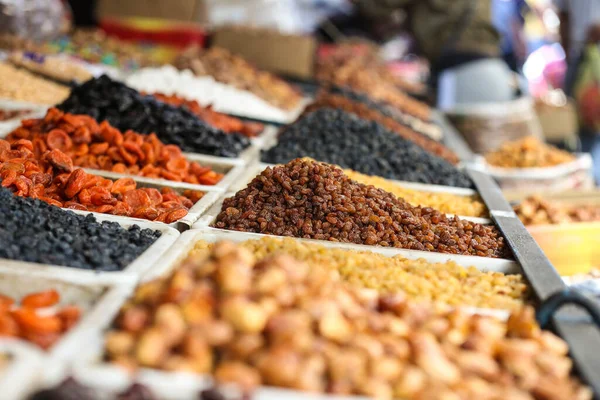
x,y
459,40
508,17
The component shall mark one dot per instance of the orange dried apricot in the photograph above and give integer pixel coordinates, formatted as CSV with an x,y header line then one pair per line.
x,y
58,139
41,299
75,183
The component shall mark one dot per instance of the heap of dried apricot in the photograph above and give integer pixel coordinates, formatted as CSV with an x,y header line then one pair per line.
x,y
224,122
38,319
101,146
51,177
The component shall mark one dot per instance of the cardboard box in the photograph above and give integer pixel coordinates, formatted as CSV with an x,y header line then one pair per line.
x,y
292,55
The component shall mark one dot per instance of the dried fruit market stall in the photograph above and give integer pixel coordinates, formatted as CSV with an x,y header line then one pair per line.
x,y
156,242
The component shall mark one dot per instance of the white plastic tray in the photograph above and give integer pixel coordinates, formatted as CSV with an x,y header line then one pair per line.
x,y
130,274
255,169
19,377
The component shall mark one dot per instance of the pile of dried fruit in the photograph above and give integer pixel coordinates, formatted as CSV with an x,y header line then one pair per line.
x,y
37,319
329,100
229,68
279,322
308,199
10,114
100,146
125,108
18,84
536,211
34,231
51,177
344,139
446,283
528,152
222,121
358,76
469,206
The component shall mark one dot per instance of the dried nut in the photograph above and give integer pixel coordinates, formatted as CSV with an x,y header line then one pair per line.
x,y
244,315
477,363
279,366
119,343
235,372
311,376
245,345
151,348
216,333
169,318
377,389
333,325
430,357
133,319
411,382
199,351
553,343
234,275
387,368
270,280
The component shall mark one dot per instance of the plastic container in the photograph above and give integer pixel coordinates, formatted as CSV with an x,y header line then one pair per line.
x,y
131,273
19,376
572,248
577,174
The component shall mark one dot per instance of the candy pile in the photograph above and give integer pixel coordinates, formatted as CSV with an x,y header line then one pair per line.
x,y
100,146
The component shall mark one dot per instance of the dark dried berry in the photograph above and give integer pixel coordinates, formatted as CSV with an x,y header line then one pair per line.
x,y
34,231
136,392
341,138
67,390
125,108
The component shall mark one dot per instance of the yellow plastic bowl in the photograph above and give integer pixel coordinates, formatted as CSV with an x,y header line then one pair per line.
x,y
572,248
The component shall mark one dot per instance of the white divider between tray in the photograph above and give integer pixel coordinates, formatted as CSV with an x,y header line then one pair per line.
x,y
23,370
129,274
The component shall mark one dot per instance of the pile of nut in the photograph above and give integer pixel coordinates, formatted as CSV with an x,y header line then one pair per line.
x,y
101,146
52,178
536,211
308,199
447,283
468,206
224,122
364,111
231,69
528,152
279,322
20,85
36,319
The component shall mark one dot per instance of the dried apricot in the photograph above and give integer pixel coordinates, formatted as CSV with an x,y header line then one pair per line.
x,y
149,212
58,139
8,178
80,149
119,167
8,326
82,135
99,148
105,209
128,157
136,199
75,183
154,195
51,201
73,205
85,197
120,186
24,143
175,215
41,299
59,160
30,321
102,196
121,208
135,149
